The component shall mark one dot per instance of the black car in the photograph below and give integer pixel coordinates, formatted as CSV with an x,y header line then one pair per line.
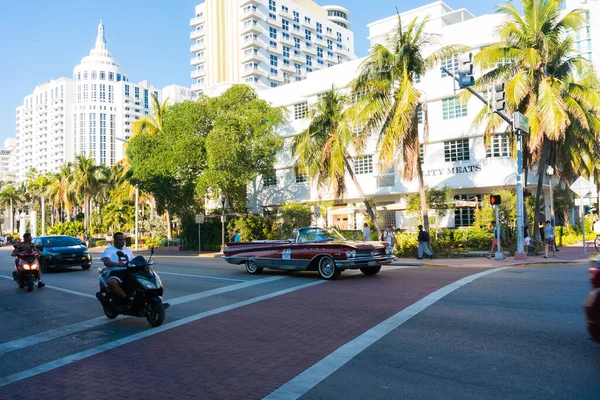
x,y
62,251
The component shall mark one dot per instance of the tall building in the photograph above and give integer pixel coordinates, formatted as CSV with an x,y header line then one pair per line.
x,y
86,115
266,42
455,155
7,153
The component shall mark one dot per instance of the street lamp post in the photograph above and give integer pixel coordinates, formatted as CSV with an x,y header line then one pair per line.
x,y
222,224
550,172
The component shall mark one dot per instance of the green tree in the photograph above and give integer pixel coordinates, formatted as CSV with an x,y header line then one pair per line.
x,y
540,82
323,149
389,100
38,187
11,197
87,179
293,216
438,200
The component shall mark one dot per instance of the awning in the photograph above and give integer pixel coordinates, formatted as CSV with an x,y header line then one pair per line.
x,y
392,207
346,210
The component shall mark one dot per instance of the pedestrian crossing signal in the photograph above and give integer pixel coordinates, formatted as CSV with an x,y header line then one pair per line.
x,y
495,200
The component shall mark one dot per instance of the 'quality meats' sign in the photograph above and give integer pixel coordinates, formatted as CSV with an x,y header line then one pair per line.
x,y
452,170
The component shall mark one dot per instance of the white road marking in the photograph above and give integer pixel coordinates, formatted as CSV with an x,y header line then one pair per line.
x,y
89,296
7,380
311,377
203,276
84,325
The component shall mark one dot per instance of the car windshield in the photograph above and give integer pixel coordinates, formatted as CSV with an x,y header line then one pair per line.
x,y
59,241
317,235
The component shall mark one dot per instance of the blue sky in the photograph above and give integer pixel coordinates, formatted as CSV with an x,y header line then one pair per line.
x,y
44,40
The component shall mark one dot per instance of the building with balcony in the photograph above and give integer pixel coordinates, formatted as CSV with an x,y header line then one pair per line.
x,y
84,115
266,43
455,154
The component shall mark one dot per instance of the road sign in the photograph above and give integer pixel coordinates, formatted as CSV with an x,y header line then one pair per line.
x,y
582,187
520,122
199,218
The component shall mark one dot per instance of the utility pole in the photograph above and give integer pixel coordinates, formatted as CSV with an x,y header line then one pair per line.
x,y
465,79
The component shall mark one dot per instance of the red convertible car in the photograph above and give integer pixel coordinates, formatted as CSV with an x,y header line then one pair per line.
x,y
592,301
312,249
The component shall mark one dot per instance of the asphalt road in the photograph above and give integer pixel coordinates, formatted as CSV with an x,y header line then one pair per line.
x,y
513,333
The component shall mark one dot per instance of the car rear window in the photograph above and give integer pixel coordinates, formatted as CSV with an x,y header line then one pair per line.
x,y
59,241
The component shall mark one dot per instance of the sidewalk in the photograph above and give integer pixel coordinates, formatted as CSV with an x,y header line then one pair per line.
x,y
567,254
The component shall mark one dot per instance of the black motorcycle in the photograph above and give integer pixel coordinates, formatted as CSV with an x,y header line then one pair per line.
x,y
144,290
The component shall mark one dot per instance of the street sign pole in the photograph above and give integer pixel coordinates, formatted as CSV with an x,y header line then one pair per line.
x,y
499,255
199,221
582,212
582,187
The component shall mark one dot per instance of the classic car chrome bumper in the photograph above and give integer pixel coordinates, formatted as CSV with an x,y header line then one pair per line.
x,y
360,262
234,260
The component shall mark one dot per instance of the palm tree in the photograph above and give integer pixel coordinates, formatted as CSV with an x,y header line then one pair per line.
x,y
11,196
38,187
539,83
323,149
389,100
152,125
86,182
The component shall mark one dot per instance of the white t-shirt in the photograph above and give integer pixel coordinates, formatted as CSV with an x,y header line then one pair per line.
x,y
597,227
366,234
111,252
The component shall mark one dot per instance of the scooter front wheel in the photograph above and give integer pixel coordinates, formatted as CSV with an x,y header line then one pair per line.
x,y
30,283
156,316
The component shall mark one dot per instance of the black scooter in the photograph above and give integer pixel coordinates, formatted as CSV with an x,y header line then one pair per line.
x,y
144,290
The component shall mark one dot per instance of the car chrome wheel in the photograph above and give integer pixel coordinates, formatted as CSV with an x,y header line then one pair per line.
x,y
252,267
327,268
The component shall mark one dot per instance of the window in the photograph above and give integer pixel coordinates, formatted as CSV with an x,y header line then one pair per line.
x,y
272,44
307,19
272,16
465,216
137,92
300,110
285,24
329,44
339,37
296,16
307,34
272,5
270,180
300,175
111,76
419,114
385,218
320,52
451,64
456,150
272,33
498,147
102,75
286,52
126,90
85,75
273,61
308,60
145,98
422,153
363,165
285,9
319,27
452,108
273,85
296,43
102,92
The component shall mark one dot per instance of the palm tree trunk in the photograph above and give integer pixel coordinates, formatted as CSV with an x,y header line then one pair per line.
x,y
362,196
169,233
12,218
43,216
423,196
538,192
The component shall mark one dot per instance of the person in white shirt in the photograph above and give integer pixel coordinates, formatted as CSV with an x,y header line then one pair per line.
x,y
597,227
115,265
366,233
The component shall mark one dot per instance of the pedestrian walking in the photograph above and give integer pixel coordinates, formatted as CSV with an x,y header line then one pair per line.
x,y
526,238
424,240
549,239
237,237
389,236
366,232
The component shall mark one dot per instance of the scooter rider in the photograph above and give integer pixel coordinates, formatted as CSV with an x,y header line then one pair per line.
x,y
117,271
26,245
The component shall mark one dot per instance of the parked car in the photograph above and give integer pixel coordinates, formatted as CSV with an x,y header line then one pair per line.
x,y
62,251
592,301
311,249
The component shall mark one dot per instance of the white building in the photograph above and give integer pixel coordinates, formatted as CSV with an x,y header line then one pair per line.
x,y
7,153
266,42
84,115
455,155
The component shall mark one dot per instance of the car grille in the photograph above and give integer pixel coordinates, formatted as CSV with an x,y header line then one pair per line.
x,y
369,253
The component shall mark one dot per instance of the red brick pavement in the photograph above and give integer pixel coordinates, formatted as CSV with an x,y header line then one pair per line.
x,y
243,353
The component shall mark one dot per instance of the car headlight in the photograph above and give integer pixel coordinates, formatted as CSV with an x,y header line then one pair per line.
x,y
350,253
85,252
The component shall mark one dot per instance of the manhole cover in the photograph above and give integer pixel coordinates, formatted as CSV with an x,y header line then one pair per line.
x,y
91,335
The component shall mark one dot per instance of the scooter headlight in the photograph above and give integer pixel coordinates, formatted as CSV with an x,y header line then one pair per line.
x,y
148,284
26,266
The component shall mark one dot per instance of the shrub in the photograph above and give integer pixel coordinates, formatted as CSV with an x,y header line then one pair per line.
x,y
406,244
67,228
254,227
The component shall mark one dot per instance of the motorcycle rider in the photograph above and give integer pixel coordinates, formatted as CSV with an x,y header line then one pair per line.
x,y
26,245
117,271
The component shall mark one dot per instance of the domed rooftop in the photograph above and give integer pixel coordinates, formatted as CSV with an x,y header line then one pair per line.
x,y
99,55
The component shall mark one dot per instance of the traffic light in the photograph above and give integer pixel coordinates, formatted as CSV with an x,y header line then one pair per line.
x,y
465,70
499,97
495,200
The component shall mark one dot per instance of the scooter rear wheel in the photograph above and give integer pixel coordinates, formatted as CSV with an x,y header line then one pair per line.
x,y
157,315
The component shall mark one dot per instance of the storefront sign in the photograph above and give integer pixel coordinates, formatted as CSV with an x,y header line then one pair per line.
x,y
452,170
